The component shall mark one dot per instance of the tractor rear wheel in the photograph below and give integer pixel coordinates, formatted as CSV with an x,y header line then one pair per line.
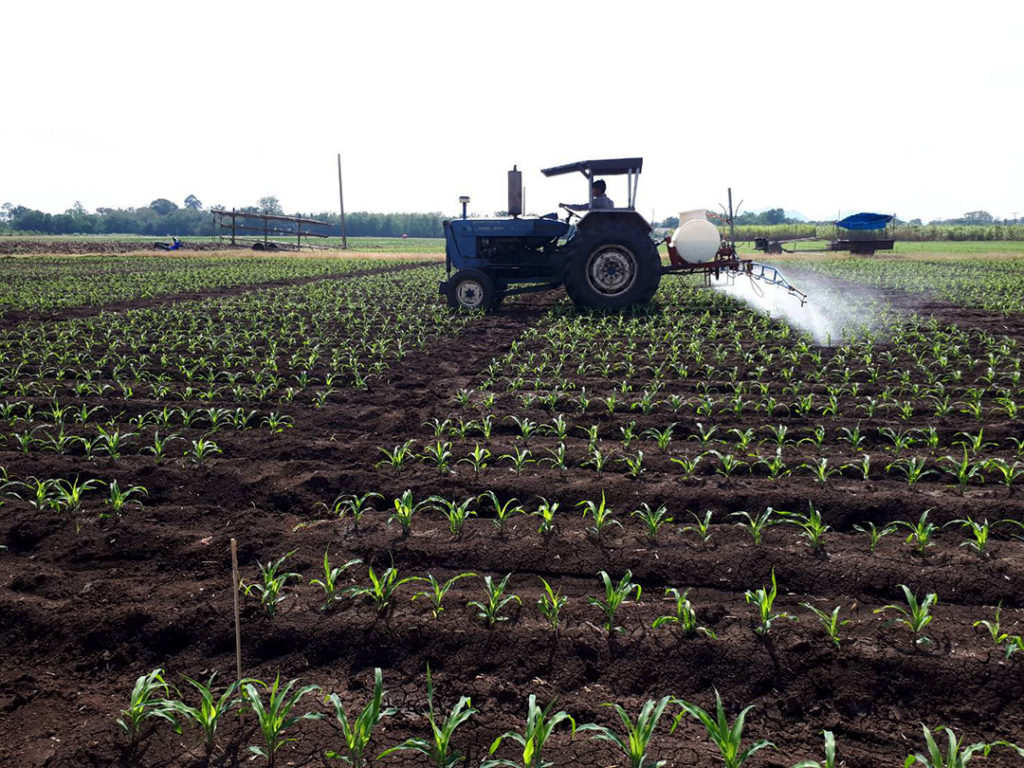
x,y
611,267
471,289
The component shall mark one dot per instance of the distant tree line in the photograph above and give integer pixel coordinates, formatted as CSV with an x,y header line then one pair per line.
x,y
163,217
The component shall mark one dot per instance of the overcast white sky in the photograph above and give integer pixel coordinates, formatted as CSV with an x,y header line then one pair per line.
x,y
913,107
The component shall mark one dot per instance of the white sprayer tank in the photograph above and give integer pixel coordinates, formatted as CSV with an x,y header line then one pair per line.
x,y
696,239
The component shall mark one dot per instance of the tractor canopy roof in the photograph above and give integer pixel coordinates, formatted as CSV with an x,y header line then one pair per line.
x,y
603,167
865,221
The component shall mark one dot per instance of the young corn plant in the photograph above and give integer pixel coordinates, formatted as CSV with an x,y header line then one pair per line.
x,y
957,755
119,498
921,533
661,437
398,456
519,458
160,445
812,527
728,465
874,534
634,464
764,601
830,621
653,519
503,511
979,533
526,427
438,748
602,515
68,494
994,627
477,459
382,588
210,711
701,526
540,723
688,465
776,466
635,739
441,454
201,451
596,458
556,458
704,437
913,469
272,583
277,714
964,470
404,511
550,605
357,733
546,512
496,600
329,583
40,493
351,504
614,596
684,618
821,471
455,512
914,615
1009,473
1014,644
437,590
728,738
277,423
830,754
149,701
756,526
863,467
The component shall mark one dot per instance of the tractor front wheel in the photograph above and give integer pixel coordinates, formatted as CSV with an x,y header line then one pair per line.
x,y
612,267
471,289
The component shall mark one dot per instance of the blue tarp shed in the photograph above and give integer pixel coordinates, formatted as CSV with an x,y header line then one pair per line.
x,y
864,221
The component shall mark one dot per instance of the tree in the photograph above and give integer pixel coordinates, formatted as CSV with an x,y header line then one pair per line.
x,y
6,212
978,217
270,205
163,206
77,209
775,216
193,203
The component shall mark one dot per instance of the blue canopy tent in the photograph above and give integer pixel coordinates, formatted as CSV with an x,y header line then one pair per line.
x,y
865,221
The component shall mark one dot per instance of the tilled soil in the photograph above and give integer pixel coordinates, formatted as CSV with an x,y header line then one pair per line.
x,y
84,613
25,246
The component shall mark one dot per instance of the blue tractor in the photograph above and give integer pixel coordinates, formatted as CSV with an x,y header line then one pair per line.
x,y
606,259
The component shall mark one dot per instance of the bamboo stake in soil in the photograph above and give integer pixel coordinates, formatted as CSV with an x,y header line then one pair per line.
x,y
235,584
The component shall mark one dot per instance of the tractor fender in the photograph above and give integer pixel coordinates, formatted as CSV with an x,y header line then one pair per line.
x,y
604,217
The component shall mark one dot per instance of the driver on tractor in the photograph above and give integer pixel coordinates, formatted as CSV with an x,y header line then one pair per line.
x,y
601,200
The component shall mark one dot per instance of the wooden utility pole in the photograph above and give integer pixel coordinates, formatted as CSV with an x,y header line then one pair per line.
x,y
341,202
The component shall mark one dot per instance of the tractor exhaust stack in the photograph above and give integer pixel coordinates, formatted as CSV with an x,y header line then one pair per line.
x,y
515,192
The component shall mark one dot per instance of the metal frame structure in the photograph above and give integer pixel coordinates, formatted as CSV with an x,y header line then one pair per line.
x,y
244,234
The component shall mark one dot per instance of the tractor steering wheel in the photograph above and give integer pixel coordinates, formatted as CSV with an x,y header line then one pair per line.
x,y
570,212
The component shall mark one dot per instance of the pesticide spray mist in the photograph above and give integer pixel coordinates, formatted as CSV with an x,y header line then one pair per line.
x,y
829,312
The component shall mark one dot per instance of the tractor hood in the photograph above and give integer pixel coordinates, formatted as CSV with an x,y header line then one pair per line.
x,y
545,229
